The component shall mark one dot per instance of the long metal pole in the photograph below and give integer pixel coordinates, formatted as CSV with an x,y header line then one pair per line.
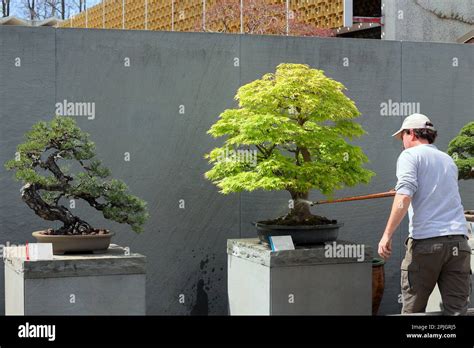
x,y
241,16
123,14
204,15
85,9
356,198
146,14
172,15
287,16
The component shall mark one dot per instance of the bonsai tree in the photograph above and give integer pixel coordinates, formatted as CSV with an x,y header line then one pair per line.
x,y
461,148
298,120
37,165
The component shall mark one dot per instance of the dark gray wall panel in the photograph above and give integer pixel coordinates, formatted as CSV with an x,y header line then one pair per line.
x,y
445,92
372,77
138,112
26,96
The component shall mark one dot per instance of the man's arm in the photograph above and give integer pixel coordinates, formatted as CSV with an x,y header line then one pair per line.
x,y
406,187
400,206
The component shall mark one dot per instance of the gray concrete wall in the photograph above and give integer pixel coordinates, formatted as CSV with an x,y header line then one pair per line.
x,y
427,20
137,111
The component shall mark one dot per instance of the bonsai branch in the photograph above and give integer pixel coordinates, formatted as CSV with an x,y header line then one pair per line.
x,y
72,224
52,166
266,152
91,200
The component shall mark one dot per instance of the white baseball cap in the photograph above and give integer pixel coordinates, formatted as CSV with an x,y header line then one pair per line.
x,y
414,121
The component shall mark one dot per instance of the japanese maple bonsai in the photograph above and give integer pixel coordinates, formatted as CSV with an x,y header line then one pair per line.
x,y
298,120
41,164
461,149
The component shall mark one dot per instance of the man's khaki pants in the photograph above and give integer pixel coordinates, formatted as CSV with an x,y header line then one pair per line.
x,y
444,260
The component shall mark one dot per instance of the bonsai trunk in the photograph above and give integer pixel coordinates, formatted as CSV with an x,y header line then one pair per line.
x,y
300,211
72,224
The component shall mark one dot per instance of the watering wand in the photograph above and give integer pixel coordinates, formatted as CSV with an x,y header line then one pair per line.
x,y
390,193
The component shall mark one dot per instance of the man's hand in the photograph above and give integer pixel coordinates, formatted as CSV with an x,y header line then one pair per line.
x,y
385,247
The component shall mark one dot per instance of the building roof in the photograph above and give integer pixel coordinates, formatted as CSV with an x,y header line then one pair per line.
x,y
468,37
48,22
12,20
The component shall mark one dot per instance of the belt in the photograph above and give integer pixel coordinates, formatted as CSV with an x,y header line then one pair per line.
x,y
449,236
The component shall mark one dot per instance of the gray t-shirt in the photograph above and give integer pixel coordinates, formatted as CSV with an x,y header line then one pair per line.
x,y
430,177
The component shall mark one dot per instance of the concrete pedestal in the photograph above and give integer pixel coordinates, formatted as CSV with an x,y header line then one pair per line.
x,y
104,284
304,281
435,303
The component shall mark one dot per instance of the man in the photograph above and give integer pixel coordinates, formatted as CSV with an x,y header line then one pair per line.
x,y
437,250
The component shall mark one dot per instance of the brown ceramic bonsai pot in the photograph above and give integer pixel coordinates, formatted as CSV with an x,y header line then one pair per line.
x,y
469,214
378,283
304,234
98,243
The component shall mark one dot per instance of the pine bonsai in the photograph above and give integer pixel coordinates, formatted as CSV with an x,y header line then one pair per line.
x,y
298,120
37,165
461,148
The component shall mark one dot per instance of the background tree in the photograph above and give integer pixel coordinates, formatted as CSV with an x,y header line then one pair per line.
x,y
37,165
298,120
31,9
5,8
259,17
461,148
42,9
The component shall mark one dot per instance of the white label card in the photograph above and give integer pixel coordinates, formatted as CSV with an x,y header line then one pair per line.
x,y
40,251
29,252
281,243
